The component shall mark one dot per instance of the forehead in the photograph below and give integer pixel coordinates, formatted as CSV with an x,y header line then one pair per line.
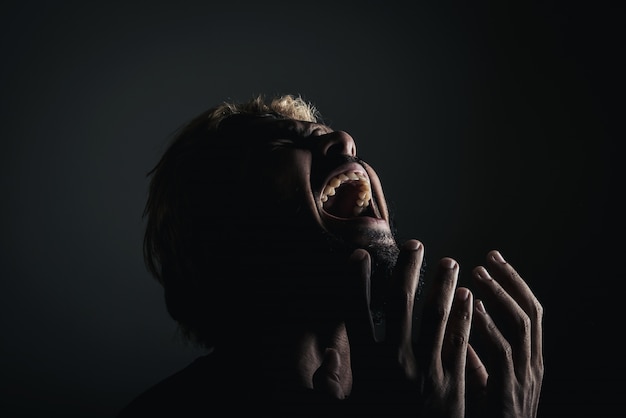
x,y
295,127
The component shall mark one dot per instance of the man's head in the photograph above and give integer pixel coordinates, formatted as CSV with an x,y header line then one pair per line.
x,y
262,198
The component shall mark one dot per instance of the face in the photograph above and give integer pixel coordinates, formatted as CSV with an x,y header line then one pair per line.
x,y
308,167
312,194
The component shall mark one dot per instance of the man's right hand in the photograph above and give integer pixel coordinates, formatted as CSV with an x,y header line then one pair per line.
x,y
438,373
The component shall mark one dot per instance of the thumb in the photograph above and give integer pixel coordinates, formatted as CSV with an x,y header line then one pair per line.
x,y
326,378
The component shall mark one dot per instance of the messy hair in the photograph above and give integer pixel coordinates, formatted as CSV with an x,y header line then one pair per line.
x,y
186,225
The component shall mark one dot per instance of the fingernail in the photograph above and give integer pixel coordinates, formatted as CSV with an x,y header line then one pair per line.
x,y
358,255
480,307
412,245
448,263
482,274
462,294
498,257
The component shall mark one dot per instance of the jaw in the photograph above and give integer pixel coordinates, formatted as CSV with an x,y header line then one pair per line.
x,y
300,198
362,232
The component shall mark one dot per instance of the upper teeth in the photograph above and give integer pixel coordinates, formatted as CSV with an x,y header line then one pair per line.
x,y
365,190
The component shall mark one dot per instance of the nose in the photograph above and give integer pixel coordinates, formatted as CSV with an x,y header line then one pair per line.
x,y
337,143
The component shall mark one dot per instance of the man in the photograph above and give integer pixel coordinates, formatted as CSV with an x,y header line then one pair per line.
x,y
277,252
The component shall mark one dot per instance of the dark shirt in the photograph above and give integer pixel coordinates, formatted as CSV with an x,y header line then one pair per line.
x,y
187,393
208,388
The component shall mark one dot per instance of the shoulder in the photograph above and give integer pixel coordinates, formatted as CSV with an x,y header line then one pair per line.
x,y
184,393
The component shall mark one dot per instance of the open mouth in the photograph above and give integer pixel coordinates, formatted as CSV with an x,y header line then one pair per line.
x,y
348,195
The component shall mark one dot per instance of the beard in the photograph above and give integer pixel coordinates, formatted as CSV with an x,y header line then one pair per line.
x,y
383,250
305,269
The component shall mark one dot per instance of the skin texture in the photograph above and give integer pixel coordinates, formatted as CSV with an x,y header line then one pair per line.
x,y
304,290
438,374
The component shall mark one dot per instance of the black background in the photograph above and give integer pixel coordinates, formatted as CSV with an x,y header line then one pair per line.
x,y
491,124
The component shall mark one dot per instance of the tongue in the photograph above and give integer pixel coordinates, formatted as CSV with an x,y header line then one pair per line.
x,y
342,204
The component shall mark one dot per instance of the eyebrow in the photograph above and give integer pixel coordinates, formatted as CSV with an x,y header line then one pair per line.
x,y
258,129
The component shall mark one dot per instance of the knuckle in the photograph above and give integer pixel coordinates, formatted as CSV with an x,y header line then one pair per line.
x,y
515,275
539,368
537,309
462,315
457,339
441,314
505,352
492,328
499,292
523,325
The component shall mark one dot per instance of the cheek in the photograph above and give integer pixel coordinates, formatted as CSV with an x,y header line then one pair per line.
x,y
287,176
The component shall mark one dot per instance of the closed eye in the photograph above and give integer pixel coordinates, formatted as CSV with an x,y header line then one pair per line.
x,y
276,144
294,135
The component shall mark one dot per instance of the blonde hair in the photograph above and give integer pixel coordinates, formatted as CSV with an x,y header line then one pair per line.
x,y
288,106
181,214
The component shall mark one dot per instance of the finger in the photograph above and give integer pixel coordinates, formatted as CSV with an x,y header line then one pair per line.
x,y
326,378
476,371
499,352
454,350
435,313
519,290
515,325
359,322
360,326
475,381
401,299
